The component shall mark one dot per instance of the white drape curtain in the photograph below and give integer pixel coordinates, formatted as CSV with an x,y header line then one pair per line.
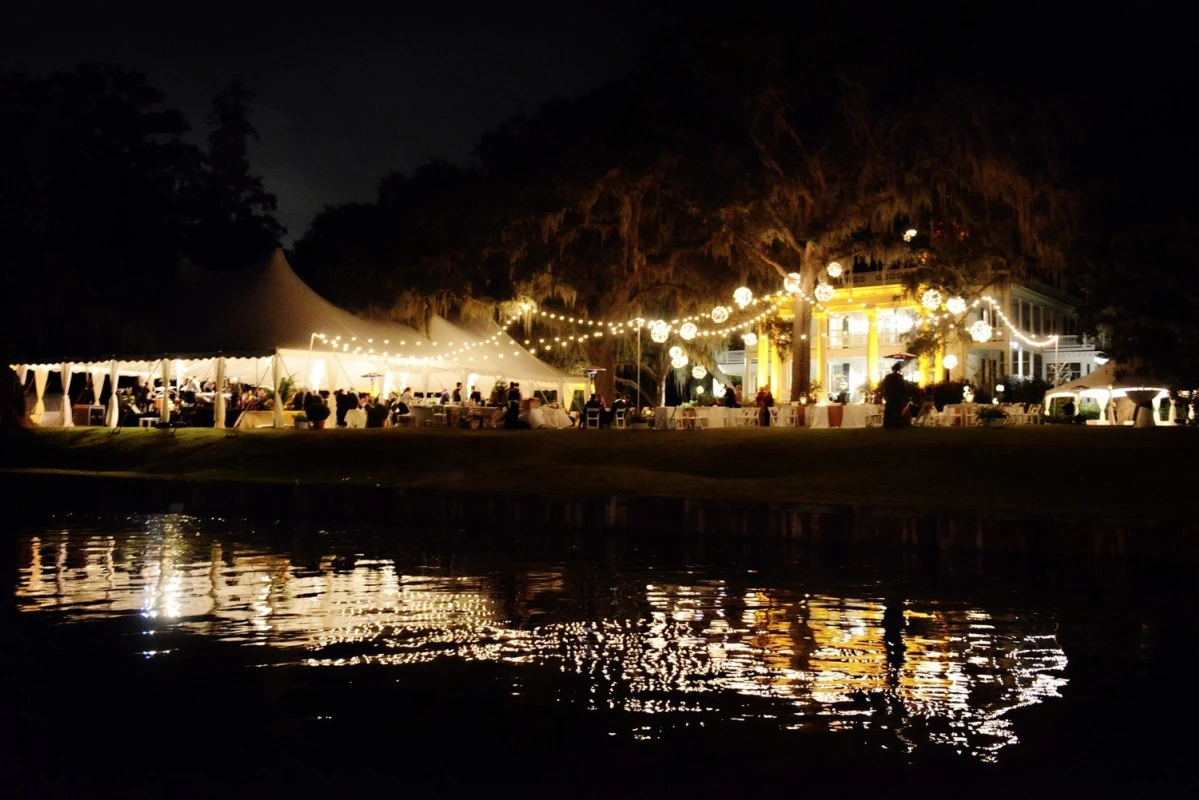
x,y
40,374
218,400
276,379
64,371
164,413
114,401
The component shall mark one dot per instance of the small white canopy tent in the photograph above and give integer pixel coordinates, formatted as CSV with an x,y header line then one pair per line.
x,y
1103,386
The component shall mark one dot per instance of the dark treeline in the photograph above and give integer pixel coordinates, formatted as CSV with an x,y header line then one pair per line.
x,y
747,144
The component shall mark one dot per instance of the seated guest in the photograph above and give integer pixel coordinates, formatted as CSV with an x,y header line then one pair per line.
x,y
445,397
376,414
595,404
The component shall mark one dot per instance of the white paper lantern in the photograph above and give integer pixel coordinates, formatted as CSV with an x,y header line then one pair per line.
x,y
834,269
699,390
720,314
659,331
955,305
791,282
931,299
678,362
980,331
750,339
909,234
951,361
743,297
698,373
688,331
825,292
675,351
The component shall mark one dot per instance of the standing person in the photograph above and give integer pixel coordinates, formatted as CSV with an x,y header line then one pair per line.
x,y
730,397
737,397
895,397
476,397
457,398
512,415
765,402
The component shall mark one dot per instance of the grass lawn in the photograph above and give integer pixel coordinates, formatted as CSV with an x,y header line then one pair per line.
x,y
1031,469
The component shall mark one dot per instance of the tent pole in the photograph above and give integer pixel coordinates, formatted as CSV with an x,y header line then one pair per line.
x,y
114,401
218,399
638,365
276,378
164,408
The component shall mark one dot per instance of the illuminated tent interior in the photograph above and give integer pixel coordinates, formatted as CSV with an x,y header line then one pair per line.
x,y
262,325
1105,388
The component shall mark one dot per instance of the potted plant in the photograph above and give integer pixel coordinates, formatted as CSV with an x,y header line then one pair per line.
x,y
992,416
301,421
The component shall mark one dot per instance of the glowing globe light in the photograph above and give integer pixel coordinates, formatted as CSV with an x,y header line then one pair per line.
x,y
698,373
699,390
931,299
678,362
955,305
750,339
720,314
999,387
688,331
659,331
834,269
909,234
980,331
675,351
743,297
791,282
951,361
825,292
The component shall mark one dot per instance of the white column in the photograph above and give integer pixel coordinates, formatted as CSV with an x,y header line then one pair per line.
x,y
114,401
276,378
164,409
563,403
218,400
65,371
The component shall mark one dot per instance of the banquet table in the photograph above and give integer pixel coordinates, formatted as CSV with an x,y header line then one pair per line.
x,y
555,417
265,419
856,416
821,416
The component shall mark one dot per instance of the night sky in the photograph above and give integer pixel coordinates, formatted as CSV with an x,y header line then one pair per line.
x,y
347,92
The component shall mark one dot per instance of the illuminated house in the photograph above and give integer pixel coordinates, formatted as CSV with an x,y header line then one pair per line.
x,y
1032,333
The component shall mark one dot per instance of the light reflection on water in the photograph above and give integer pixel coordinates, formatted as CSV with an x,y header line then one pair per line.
x,y
645,641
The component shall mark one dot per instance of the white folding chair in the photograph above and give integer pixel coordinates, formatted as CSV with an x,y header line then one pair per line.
x,y
593,418
618,421
749,417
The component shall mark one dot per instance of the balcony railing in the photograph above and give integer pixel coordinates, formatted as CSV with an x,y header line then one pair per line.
x,y
843,341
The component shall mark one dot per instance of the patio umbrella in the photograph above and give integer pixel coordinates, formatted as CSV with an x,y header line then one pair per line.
x,y
372,376
902,356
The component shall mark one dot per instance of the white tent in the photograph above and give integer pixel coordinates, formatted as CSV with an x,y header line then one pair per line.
x,y
1103,386
262,325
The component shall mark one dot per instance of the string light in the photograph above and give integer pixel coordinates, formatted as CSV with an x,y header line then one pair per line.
x,y
1028,340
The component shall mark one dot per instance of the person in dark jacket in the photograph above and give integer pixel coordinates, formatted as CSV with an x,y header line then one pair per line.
x,y
512,414
895,397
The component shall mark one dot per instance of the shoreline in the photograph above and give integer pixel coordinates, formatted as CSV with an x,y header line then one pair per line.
x,y
884,526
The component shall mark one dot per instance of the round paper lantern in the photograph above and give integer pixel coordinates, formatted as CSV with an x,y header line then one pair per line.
x,y
951,361
791,282
955,305
750,339
825,292
699,390
931,299
834,269
675,351
688,331
909,234
659,331
698,373
980,331
743,297
720,314
679,362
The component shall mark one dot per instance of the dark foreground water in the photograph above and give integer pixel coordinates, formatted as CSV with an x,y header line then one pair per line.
x,y
176,656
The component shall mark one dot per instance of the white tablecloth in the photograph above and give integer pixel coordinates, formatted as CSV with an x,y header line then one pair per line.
x,y
855,415
665,418
555,417
816,416
356,418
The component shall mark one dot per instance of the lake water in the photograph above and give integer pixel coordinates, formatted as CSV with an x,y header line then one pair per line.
x,y
184,656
